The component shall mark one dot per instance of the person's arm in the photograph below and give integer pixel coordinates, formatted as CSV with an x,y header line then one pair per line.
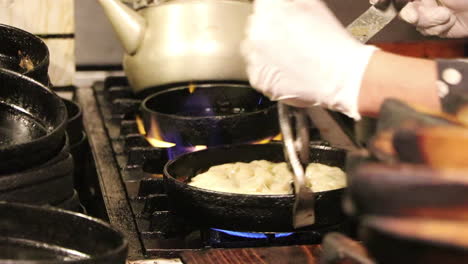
x,y
408,79
298,53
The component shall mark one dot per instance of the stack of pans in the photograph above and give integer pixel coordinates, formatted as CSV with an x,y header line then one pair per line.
x,y
36,166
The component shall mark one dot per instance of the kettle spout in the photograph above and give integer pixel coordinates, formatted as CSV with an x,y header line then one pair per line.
x,y
127,23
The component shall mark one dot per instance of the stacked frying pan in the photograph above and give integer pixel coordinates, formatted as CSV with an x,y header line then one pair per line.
x,y
24,53
36,166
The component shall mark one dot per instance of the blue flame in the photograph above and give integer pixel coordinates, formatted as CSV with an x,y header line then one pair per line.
x,y
278,235
260,100
251,235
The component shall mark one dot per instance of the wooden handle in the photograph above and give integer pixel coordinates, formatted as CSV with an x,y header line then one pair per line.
x,y
439,147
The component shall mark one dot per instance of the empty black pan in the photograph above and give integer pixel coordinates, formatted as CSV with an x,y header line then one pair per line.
x,y
242,212
32,122
211,114
40,235
23,52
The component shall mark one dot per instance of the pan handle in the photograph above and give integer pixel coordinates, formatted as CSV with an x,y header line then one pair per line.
x,y
296,151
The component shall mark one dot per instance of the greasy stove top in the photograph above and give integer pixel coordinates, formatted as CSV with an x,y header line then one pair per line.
x,y
129,171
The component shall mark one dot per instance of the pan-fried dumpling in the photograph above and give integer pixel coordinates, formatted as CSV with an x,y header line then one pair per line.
x,y
265,177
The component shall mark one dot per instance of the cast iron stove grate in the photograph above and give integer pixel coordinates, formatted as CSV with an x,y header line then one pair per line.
x,y
160,232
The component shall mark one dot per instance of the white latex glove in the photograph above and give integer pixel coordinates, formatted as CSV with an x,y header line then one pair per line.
x,y
448,20
298,52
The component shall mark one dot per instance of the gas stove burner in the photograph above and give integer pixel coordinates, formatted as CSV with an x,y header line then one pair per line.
x,y
126,156
253,235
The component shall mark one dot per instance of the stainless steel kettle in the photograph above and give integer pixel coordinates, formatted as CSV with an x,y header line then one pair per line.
x,y
180,40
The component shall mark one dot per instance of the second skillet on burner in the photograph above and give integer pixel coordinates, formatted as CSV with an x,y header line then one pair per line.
x,y
209,114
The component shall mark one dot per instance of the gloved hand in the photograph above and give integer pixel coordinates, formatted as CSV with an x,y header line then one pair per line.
x,y
298,52
448,18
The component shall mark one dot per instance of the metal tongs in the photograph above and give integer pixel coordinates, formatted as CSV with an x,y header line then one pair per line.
x,y
296,141
294,124
296,150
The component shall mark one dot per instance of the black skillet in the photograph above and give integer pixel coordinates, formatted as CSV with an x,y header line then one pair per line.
x,y
38,235
32,122
212,114
48,183
254,213
23,52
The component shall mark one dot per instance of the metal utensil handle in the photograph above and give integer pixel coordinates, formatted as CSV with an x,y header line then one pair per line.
x,y
296,151
372,22
302,136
